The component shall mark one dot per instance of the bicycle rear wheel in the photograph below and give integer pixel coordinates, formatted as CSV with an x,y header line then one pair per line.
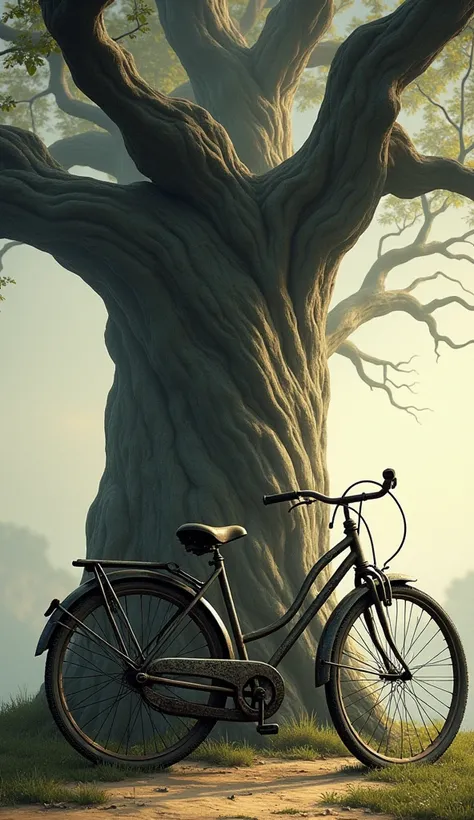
x,y
92,693
394,721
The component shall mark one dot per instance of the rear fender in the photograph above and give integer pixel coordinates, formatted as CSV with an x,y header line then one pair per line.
x,y
325,645
83,590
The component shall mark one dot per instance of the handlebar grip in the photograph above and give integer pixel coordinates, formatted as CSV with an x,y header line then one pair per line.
x,y
389,477
279,497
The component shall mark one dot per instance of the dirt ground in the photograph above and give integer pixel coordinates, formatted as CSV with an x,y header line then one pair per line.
x,y
203,792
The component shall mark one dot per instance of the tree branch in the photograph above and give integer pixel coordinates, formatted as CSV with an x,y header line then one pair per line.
x,y
364,306
323,54
330,208
40,204
203,36
175,144
7,247
69,104
379,270
410,174
291,32
13,35
349,351
406,226
93,149
250,16
421,279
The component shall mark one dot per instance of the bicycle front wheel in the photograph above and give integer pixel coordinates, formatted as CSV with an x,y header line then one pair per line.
x,y
92,691
384,721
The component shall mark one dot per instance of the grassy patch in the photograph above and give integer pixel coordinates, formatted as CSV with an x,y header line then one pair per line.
x,y
236,817
225,753
441,791
303,738
36,762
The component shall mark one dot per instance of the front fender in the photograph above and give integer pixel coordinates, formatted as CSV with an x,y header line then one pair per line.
x,y
324,653
84,589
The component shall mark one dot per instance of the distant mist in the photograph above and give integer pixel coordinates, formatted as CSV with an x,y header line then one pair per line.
x,y
459,603
28,583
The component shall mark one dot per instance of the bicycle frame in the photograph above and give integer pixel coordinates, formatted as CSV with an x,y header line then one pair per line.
x,y
354,559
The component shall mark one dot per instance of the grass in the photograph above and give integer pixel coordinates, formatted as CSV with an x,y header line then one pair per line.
x,y
439,791
38,766
302,738
225,753
36,763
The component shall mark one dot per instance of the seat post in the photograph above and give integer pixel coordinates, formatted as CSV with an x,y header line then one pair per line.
x,y
218,561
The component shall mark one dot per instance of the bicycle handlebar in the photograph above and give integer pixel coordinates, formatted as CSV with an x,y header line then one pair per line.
x,y
389,482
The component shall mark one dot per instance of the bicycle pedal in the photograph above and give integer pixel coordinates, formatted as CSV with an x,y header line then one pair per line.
x,y
268,729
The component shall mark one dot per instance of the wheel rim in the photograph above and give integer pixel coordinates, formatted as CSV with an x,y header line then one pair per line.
x,y
98,692
396,719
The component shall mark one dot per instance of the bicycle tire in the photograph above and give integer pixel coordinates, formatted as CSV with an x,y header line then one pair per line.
x,y
415,737
58,663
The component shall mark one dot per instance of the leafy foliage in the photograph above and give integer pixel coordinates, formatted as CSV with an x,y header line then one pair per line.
x,y
5,280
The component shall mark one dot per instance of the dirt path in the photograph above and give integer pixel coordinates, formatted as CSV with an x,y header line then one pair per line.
x,y
202,792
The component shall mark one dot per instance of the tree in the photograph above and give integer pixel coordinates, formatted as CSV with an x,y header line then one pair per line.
x,y
217,269
458,603
27,583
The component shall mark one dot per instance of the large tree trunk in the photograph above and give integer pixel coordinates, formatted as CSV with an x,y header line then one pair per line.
x,y
216,400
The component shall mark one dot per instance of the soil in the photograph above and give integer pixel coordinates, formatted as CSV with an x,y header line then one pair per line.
x,y
202,792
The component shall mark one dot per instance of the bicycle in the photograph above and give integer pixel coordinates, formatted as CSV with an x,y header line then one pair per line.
x,y
127,683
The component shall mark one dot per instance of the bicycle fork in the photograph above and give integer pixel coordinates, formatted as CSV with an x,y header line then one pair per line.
x,y
380,605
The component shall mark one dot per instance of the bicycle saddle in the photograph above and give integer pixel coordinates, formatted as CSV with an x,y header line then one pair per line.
x,y
200,538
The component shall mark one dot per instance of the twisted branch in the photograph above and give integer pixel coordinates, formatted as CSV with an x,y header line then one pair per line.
x,y
175,144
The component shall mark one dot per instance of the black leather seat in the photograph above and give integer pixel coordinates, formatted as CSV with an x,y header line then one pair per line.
x,y
200,538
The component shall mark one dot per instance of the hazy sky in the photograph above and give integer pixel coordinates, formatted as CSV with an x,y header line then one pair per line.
x,y
55,375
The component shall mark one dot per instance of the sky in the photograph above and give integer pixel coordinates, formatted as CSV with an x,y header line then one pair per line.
x,y
55,375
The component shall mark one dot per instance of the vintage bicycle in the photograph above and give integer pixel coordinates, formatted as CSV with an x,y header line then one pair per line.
x,y
140,666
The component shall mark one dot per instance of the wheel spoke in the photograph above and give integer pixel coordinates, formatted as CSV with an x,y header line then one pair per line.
x,y
396,719
100,701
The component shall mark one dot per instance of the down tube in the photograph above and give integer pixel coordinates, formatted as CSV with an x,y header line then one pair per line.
x,y
312,610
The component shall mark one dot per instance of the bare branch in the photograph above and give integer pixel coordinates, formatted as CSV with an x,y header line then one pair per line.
x,y
421,279
291,32
406,225
357,357
441,108
365,305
